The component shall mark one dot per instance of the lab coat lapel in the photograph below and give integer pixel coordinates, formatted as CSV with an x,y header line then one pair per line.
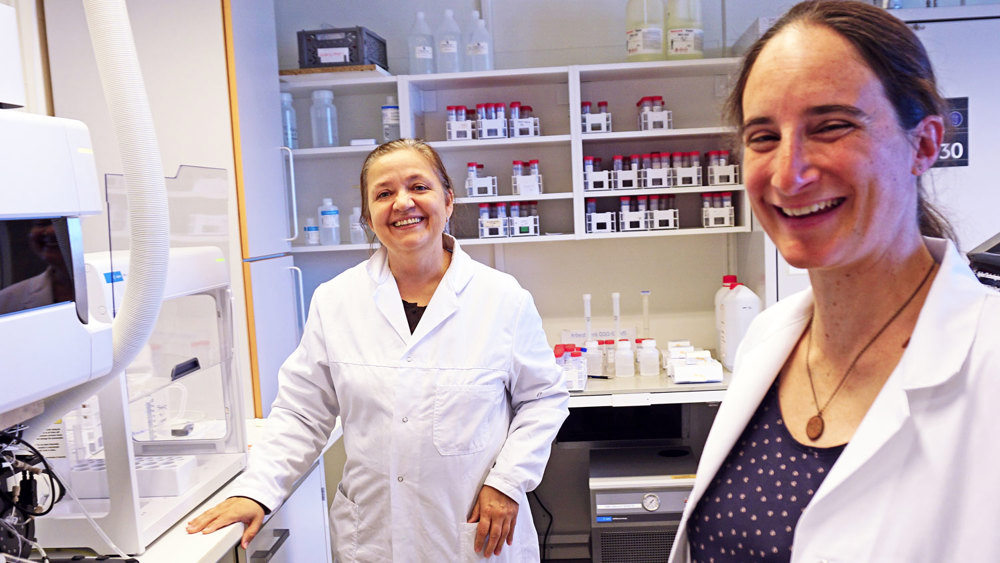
x,y
924,366
758,366
444,302
386,294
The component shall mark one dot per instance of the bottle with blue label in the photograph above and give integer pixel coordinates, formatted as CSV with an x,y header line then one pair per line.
x,y
329,222
312,232
390,120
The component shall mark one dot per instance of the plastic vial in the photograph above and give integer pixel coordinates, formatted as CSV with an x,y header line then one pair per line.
x,y
597,163
525,111
357,231
591,204
421,47
478,50
532,208
585,108
480,170
324,119
533,167
390,119
645,104
480,111
706,200
602,107
484,211
289,130
716,200
723,158
654,203
515,110
616,162
471,170
451,116
633,162
517,168
647,161
641,203
654,159
501,209
657,103
500,111
695,158
493,211
624,359
727,199
461,113
713,158
515,209
626,203
588,164
447,39
491,111
649,358
329,222
312,232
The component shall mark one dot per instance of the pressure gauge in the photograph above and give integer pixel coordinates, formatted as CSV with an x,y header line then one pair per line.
x,y
651,502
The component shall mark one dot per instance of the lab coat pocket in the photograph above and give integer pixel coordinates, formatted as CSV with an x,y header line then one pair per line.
x,y
467,543
344,520
463,417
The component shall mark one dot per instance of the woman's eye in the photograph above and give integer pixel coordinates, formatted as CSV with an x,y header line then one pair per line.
x,y
381,195
834,127
420,187
758,139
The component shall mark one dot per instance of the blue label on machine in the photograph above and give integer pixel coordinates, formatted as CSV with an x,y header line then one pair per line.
x,y
112,277
603,518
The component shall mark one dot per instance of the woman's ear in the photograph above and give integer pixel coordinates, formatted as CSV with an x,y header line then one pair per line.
x,y
928,135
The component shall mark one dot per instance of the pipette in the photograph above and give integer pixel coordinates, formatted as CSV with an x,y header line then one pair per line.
x,y
616,313
645,312
586,314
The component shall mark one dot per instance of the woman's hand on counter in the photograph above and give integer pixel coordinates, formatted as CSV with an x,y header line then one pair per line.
x,y
229,511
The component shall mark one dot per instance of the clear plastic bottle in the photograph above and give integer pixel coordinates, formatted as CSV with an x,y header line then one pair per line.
x,y
329,222
533,167
356,229
591,205
517,168
324,119
515,209
588,164
311,231
625,202
594,357
641,203
739,307
649,358
478,51
289,129
447,39
624,359
644,39
484,211
421,46
532,208
390,119
684,31
617,162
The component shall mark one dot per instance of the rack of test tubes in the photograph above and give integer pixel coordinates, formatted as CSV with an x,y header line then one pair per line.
x,y
721,170
525,178
494,221
640,213
477,185
522,124
595,122
652,115
717,209
489,121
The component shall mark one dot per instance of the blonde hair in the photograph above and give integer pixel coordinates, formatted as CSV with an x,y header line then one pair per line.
x,y
416,145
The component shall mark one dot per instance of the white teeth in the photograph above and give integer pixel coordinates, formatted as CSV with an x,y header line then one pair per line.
x,y
808,209
405,222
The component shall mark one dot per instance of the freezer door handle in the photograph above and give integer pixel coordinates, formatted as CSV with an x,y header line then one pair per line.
x,y
261,556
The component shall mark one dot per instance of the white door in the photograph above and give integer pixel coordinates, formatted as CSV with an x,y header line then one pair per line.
x,y
276,319
266,200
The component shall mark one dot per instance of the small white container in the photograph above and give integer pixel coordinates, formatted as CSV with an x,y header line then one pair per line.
x,y
595,358
624,359
649,358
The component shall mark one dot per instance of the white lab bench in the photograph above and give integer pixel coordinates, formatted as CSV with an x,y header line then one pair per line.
x,y
644,390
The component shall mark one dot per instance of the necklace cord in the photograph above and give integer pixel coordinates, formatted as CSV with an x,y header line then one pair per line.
x,y
843,379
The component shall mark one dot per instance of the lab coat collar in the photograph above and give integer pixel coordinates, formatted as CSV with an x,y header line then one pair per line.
x,y
443,303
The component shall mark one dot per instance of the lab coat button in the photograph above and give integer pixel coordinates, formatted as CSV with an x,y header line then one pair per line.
x,y
400,478
405,419
409,359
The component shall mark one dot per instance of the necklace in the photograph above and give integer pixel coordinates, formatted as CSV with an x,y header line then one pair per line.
x,y
814,428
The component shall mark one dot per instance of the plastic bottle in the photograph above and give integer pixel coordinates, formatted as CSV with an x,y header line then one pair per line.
x,y
471,170
311,231
579,366
616,163
739,307
641,203
532,208
591,205
356,230
644,36
478,51
517,168
289,129
728,281
594,357
329,222
421,46
684,30
625,203
624,359
649,358
585,108
533,167
390,119
484,211
515,209
447,39
324,119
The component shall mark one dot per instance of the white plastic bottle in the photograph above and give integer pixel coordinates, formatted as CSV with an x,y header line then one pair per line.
x,y
624,359
448,39
356,230
644,37
311,231
649,358
728,281
739,307
390,120
595,358
477,50
289,129
324,119
685,35
421,46
329,222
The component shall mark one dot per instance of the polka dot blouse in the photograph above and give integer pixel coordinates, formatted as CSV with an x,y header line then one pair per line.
x,y
749,511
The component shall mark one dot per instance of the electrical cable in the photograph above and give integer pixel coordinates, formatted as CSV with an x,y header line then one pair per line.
x,y
548,527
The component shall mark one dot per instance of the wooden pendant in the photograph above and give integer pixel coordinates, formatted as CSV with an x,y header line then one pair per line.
x,y
814,428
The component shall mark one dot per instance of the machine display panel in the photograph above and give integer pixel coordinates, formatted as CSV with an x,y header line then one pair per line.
x,y
36,267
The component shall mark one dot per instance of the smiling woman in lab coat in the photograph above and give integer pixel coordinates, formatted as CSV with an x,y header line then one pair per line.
x,y
861,420
440,371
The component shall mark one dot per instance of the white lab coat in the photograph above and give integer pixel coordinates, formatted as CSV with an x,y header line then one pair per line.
x,y
473,396
920,479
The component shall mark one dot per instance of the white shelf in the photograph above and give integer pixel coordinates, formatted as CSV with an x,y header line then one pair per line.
x,y
657,69
333,248
450,146
327,152
668,232
499,198
514,240
341,86
490,79
662,191
618,136
646,390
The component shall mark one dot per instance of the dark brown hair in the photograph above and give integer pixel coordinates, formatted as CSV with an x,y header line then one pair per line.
x,y
891,50
416,145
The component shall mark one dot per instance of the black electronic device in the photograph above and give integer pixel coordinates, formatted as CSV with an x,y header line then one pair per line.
x,y
985,262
